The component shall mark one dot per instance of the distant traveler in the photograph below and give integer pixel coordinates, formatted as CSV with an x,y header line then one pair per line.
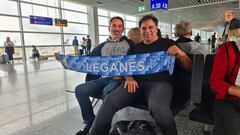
x,y
75,45
88,44
197,38
213,40
9,48
231,23
35,52
83,45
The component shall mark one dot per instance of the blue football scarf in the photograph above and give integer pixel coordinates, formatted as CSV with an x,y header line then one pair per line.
x,y
138,64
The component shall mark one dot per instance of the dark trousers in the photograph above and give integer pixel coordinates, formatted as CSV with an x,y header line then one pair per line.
x,y
95,88
226,115
158,96
35,55
88,49
10,52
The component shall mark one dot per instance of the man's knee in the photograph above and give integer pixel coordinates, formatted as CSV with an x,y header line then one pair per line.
x,y
79,90
160,113
114,101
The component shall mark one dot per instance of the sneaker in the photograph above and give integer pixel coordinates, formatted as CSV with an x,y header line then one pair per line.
x,y
83,131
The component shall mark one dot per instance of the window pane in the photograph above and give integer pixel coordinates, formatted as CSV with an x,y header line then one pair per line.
x,y
18,52
36,1
69,49
74,6
103,30
130,24
126,31
103,21
26,9
42,39
76,28
9,23
38,28
102,38
53,12
165,28
52,3
15,37
75,17
131,18
44,51
44,2
173,31
10,7
102,12
195,32
69,38
112,14
29,9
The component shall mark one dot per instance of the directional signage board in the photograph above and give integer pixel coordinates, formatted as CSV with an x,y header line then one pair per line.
x,y
41,20
158,5
61,22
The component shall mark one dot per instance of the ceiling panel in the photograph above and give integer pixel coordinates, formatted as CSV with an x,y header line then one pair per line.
x,y
199,12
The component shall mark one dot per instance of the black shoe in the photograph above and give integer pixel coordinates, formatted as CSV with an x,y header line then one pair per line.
x,y
83,131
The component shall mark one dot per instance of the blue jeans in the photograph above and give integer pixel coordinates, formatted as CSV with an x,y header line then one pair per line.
x,y
96,88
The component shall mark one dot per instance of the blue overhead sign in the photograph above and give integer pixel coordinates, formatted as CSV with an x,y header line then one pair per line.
x,y
41,20
158,4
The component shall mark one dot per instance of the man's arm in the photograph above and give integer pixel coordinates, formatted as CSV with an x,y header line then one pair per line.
x,y
97,50
181,56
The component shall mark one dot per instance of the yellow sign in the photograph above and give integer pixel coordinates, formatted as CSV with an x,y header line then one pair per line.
x,y
61,22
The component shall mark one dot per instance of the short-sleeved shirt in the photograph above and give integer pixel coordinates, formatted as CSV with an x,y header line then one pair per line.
x,y
159,45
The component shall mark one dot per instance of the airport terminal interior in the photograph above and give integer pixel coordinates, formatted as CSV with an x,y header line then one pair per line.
x,y
37,94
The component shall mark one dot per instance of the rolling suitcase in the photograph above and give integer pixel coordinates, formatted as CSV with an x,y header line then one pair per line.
x,y
5,58
1,59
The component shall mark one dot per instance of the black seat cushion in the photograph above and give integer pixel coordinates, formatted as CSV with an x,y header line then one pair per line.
x,y
181,88
200,115
203,112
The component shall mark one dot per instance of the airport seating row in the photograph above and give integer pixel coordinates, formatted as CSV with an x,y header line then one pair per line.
x,y
189,87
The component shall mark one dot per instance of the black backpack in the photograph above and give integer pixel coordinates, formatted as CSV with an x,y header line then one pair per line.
x,y
136,127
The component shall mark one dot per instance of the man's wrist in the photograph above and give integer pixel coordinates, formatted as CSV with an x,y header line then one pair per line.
x,y
180,54
128,77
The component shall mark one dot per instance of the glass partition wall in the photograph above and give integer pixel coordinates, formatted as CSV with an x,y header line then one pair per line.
x,y
15,23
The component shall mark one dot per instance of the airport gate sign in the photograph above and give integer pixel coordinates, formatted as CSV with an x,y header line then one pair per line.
x,y
41,20
158,5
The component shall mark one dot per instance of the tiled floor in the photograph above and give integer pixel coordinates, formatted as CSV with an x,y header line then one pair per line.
x,y
33,101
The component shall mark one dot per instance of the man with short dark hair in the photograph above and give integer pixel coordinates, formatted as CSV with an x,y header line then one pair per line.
x,y
116,44
155,89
